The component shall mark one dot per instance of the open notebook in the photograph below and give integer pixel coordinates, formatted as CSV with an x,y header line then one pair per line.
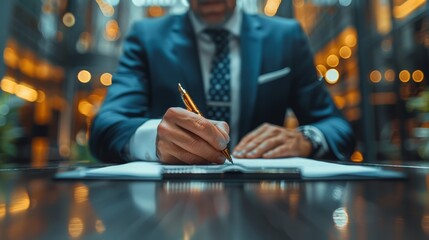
x,y
242,169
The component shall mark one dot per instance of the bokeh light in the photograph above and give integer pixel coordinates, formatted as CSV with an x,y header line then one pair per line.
x,y
69,20
332,76
404,76
375,76
106,79
84,76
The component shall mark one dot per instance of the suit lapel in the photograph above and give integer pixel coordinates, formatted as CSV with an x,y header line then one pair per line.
x,y
251,53
185,49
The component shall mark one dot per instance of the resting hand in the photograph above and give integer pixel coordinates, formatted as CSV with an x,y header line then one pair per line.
x,y
271,141
184,137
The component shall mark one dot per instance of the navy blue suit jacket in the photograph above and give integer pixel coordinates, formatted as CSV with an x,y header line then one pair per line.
x,y
159,53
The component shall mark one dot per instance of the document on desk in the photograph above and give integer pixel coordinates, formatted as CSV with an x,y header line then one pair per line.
x,y
242,169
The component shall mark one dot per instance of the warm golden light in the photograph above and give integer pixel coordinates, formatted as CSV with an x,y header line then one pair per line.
x,y
26,92
20,201
389,75
404,76
407,7
81,194
85,108
345,52
155,11
23,90
11,58
27,66
43,71
357,156
418,76
340,102
332,76
75,227
351,40
271,7
42,111
332,60
375,76
106,79
84,76
353,98
112,31
107,9
39,152
322,69
8,84
3,210
382,18
69,20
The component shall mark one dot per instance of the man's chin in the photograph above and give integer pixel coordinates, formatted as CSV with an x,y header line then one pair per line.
x,y
213,20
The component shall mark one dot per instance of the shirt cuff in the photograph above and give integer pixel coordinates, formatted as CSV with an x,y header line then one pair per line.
x,y
142,145
324,148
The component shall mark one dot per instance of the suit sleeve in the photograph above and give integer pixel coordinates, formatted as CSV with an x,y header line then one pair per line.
x,y
125,107
313,105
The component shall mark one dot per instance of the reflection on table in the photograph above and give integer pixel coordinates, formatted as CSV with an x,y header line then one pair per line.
x,y
33,206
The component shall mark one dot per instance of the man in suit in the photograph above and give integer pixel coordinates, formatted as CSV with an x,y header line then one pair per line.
x,y
244,70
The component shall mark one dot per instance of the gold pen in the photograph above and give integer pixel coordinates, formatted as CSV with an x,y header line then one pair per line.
x,y
190,106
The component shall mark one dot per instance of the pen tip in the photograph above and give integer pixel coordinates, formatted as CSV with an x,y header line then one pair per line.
x,y
227,155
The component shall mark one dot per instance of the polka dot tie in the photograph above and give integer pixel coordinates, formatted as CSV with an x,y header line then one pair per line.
x,y
219,95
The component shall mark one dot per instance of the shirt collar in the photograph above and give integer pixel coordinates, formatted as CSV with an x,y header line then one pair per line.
x,y
233,25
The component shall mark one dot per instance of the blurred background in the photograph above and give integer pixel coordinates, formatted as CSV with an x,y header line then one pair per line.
x,y
58,57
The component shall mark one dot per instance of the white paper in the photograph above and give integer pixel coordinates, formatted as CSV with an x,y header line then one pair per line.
x,y
310,169
144,170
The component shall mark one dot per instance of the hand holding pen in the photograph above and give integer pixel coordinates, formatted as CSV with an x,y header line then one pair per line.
x,y
184,137
190,106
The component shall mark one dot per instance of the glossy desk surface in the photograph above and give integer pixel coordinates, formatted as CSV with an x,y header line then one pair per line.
x,y
33,206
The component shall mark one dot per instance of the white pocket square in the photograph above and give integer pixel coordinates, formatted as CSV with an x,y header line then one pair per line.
x,y
268,77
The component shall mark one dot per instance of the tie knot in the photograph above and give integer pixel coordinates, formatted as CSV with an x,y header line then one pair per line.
x,y
218,36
